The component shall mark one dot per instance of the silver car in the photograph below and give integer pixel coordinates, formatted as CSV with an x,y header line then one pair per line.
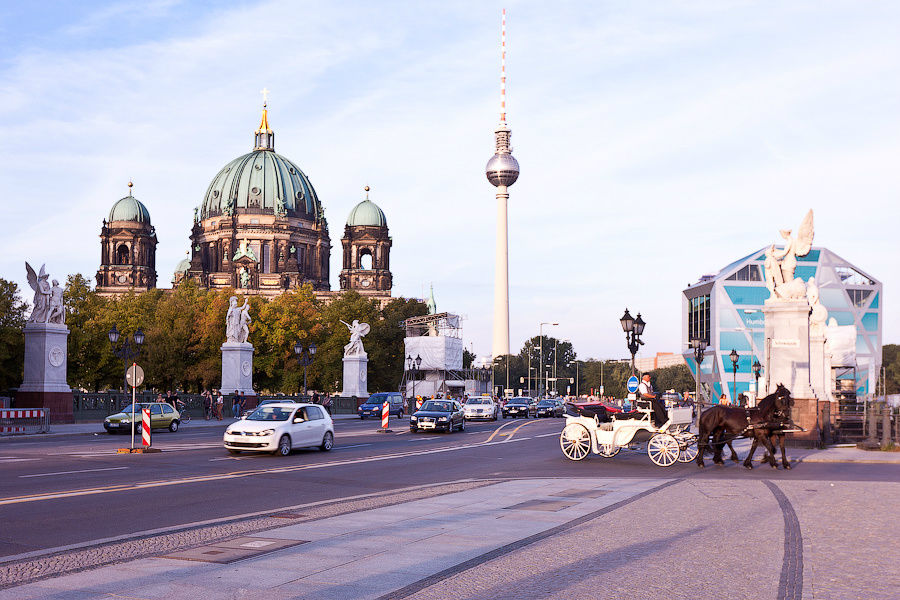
x,y
280,427
481,407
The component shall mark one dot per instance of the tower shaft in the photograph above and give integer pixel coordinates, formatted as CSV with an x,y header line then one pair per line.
x,y
500,346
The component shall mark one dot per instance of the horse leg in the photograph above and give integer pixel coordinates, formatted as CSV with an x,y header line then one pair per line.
x,y
717,445
748,462
770,448
701,449
784,460
734,456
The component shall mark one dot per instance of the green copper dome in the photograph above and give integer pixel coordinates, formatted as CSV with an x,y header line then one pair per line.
x,y
261,182
367,213
183,266
129,208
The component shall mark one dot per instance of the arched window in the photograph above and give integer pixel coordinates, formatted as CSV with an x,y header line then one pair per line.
x,y
365,259
123,255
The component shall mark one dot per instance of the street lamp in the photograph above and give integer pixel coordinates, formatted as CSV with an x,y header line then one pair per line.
x,y
734,365
130,349
633,329
756,368
699,346
412,365
305,359
541,361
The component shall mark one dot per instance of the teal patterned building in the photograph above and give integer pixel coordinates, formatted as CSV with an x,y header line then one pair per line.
x,y
726,311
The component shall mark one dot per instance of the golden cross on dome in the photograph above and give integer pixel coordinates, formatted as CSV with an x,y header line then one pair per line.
x,y
265,95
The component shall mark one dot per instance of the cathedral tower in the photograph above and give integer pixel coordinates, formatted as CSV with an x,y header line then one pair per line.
x,y
127,248
367,251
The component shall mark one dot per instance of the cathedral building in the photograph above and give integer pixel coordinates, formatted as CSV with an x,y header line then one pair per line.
x,y
260,229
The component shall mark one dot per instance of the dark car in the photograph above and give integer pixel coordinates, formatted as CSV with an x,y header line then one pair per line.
x,y
550,408
517,407
441,415
372,406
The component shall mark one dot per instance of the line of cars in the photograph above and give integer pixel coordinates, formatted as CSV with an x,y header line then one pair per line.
x,y
448,415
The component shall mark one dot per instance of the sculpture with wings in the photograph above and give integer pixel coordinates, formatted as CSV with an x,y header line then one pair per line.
x,y
357,331
38,282
780,264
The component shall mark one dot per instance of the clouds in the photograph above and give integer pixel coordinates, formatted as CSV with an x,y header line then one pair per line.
x,y
655,141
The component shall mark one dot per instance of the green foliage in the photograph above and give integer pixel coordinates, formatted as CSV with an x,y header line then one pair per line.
x,y
890,356
468,358
677,377
12,342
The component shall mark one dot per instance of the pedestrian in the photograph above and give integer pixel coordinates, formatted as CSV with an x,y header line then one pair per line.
x,y
235,400
207,404
326,402
723,399
220,405
315,398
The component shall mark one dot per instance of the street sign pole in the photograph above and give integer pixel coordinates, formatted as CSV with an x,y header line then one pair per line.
x,y
133,388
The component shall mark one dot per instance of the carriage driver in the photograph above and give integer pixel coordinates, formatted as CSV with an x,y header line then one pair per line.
x,y
645,389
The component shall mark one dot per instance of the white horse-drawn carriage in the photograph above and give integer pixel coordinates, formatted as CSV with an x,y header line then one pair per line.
x,y
666,444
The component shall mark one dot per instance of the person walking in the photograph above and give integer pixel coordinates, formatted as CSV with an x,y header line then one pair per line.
x,y
723,399
326,403
207,404
234,404
220,405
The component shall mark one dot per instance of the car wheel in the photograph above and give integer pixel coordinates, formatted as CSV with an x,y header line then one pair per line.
x,y
230,451
362,417
173,426
284,445
414,430
450,426
327,442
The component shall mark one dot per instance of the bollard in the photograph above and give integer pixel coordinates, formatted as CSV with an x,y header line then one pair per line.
x,y
385,414
886,426
145,427
872,425
418,402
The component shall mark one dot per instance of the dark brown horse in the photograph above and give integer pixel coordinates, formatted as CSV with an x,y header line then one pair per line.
x,y
725,423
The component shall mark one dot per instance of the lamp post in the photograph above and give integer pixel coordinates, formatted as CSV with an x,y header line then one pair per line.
x,y
575,362
756,368
541,362
699,346
634,329
734,365
305,359
412,365
130,348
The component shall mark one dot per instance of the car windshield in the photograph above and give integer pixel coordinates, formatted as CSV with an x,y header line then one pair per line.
x,y
137,408
270,413
377,399
437,406
478,401
546,403
517,403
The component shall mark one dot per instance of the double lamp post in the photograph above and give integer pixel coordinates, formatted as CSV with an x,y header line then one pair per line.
x,y
634,329
305,358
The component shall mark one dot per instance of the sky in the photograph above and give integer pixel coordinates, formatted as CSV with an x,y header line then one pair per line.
x,y
658,141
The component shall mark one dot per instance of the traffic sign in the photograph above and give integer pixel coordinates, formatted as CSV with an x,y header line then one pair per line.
x,y
134,376
632,384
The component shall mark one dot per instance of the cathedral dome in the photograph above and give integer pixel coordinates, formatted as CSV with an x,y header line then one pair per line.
x,y
261,182
129,208
367,213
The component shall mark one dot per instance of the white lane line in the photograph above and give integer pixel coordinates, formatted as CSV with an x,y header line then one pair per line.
x,y
545,435
12,459
353,446
72,472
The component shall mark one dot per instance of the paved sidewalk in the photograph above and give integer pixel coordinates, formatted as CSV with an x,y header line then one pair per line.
x,y
697,539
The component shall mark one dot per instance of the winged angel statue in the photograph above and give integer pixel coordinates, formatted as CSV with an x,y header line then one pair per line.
x,y
357,331
780,264
48,301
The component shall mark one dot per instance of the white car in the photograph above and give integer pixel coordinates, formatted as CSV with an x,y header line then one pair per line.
x,y
480,407
280,427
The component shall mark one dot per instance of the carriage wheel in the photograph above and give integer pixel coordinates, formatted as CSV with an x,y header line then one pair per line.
x,y
663,449
575,441
688,445
608,450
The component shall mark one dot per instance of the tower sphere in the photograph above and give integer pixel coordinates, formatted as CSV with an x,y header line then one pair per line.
x,y
502,169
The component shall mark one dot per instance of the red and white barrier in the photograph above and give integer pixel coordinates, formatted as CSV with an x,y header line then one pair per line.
x,y
385,414
145,427
22,413
418,403
24,420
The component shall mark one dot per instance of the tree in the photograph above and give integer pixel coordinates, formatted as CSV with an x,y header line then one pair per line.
x,y
890,357
12,340
281,323
91,364
676,377
328,367
468,359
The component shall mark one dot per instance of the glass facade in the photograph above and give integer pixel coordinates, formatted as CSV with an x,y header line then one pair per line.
x,y
727,311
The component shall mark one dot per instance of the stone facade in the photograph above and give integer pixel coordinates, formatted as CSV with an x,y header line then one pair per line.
x,y
366,260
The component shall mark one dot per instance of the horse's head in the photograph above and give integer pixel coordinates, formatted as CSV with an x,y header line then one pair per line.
x,y
783,402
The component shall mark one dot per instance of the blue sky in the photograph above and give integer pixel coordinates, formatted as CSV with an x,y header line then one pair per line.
x,y
658,141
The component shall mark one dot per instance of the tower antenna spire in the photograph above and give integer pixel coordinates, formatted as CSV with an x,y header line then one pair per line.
x,y
503,67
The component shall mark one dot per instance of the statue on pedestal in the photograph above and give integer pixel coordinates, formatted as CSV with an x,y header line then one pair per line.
x,y
357,331
237,321
818,313
780,264
48,301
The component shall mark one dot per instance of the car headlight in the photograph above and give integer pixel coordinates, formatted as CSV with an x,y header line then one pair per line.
x,y
412,418
442,418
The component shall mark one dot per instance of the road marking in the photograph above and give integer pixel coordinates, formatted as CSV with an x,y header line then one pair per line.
x,y
235,474
516,430
12,459
353,446
72,472
498,430
545,435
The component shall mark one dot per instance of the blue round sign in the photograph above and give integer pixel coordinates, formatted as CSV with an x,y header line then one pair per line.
x,y
632,384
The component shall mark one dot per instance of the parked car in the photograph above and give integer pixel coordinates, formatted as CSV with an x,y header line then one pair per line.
x,y
372,406
481,407
517,407
445,415
279,427
550,407
162,416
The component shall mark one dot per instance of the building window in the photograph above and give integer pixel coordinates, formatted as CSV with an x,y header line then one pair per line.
x,y
365,259
266,259
859,297
748,273
850,276
698,318
123,255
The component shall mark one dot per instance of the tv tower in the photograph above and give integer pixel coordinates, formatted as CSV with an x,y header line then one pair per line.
x,y
502,170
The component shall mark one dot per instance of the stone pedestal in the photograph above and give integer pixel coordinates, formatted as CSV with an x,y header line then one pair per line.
x,y
356,376
237,368
787,347
46,361
820,368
